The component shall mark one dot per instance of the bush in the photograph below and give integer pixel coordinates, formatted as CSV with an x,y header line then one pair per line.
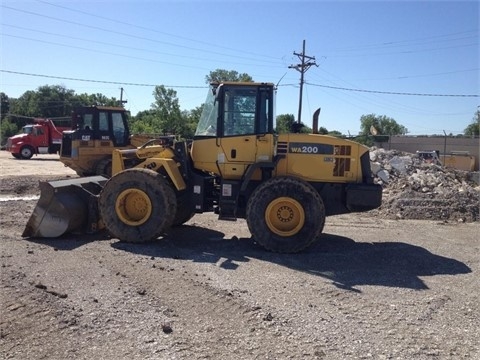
x,y
7,129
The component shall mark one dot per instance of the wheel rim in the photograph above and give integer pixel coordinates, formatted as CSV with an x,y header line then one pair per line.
x,y
26,152
133,207
285,216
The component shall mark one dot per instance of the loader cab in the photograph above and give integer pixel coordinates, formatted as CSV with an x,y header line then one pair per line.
x,y
96,125
101,123
97,130
233,109
235,129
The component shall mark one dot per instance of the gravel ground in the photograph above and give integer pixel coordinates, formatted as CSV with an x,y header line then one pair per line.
x,y
369,288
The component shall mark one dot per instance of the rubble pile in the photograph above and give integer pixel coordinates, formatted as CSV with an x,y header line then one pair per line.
x,y
414,189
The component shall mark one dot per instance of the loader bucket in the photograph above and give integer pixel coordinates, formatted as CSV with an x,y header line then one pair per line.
x,y
66,206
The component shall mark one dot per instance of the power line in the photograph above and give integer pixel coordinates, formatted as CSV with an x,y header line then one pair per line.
x,y
401,77
267,63
410,42
101,81
204,87
154,30
393,92
126,34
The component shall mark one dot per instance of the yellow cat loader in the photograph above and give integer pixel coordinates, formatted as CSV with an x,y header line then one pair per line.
x,y
236,166
97,130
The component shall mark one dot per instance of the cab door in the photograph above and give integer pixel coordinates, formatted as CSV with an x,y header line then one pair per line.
x,y
244,131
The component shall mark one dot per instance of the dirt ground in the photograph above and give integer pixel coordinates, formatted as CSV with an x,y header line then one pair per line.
x,y
369,288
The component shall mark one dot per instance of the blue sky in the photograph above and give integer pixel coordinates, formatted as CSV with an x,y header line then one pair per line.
x,y
369,54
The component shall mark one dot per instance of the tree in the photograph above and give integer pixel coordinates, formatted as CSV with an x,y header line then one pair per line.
x,y
145,122
220,75
474,128
335,133
7,129
4,105
95,99
191,118
167,107
54,101
378,125
323,130
284,123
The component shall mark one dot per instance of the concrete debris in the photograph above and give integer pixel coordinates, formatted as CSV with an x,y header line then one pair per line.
x,y
414,189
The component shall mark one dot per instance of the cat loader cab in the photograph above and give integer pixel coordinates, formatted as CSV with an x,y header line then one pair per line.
x,y
97,131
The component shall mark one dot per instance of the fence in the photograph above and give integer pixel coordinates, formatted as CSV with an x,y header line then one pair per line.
x,y
446,145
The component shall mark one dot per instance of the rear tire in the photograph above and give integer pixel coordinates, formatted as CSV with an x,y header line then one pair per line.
x,y
137,205
104,168
285,215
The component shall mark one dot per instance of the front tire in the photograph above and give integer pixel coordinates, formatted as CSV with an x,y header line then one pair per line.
x,y
285,215
137,205
185,210
26,152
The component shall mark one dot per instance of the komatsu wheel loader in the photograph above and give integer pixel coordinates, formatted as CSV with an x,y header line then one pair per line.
x,y
236,166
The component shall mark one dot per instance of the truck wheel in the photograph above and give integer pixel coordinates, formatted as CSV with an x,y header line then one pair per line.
x,y
137,205
285,214
26,152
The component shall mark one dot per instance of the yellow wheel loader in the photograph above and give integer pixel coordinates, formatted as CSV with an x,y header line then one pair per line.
x,y
284,185
97,130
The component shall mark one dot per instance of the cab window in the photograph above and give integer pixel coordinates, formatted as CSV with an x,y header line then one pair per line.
x,y
103,121
87,121
118,126
239,111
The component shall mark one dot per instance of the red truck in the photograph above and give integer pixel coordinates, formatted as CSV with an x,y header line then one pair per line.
x,y
41,137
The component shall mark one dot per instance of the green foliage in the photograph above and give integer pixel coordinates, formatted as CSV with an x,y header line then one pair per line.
x,y
323,130
4,105
220,75
284,123
165,116
335,133
7,129
54,101
372,124
192,117
145,122
473,129
95,99
383,125
167,108
304,129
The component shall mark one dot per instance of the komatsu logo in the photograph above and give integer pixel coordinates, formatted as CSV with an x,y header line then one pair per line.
x,y
310,148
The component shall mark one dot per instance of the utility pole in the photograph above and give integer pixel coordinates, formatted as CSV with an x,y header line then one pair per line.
x,y
305,63
121,102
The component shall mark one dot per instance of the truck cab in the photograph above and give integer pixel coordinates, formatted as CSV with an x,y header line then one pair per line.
x,y
42,137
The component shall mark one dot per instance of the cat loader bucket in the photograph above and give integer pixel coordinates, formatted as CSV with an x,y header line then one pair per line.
x,y
66,206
